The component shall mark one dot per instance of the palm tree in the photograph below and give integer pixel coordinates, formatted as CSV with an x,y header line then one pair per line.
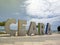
x,y
2,23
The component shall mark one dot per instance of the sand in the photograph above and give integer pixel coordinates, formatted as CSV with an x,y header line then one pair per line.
x,y
53,39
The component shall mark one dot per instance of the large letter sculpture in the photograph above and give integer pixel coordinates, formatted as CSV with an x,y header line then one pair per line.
x,y
48,29
7,26
40,28
21,27
32,29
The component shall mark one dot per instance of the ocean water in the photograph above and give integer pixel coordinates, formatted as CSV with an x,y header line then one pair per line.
x,y
2,29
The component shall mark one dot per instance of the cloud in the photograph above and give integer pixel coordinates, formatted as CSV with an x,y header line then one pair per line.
x,y
45,20
52,1
43,8
52,21
55,24
16,13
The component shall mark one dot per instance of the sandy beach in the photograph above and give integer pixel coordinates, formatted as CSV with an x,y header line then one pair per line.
x,y
53,39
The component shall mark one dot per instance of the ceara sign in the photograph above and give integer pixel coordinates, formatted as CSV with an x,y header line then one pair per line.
x,y
33,28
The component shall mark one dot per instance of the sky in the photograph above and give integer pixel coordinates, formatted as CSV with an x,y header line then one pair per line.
x,y
39,11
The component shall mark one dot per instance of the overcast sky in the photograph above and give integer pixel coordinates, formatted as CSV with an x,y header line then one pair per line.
x,y
44,11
